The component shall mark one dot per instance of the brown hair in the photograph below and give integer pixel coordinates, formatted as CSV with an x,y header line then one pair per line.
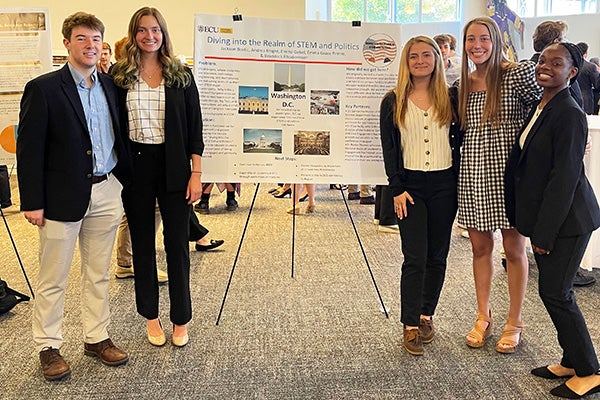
x,y
549,32
81,19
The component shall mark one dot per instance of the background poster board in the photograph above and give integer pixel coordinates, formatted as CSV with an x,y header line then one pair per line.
x,y
25,40
293,101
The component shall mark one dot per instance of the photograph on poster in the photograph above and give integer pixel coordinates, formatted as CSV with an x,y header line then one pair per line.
x,y
289,77
262,140
253,100
325,102
379,50
22,22
312,143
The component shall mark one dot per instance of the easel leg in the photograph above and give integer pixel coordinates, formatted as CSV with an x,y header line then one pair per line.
x,y
364,254
17,253
237,254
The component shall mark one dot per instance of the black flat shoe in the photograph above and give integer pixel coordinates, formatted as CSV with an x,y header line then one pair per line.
x,y
213,245
566,393
280,195
544,372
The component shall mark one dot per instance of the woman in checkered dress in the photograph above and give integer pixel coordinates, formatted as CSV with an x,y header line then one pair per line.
x,y
494,101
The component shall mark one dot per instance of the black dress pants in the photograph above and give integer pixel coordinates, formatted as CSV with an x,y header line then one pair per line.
x,y
425,239
557,271
139,199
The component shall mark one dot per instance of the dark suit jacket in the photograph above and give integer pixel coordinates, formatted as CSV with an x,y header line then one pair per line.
x,y
588,80
547,192
54,149
392,149
183,131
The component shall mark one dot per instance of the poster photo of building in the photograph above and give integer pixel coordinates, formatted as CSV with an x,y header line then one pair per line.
x,y
253,100
325,102
262,140
312,143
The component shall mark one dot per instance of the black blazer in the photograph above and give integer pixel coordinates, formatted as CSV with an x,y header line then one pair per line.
x,y
547,193
183,131
54,149
390,141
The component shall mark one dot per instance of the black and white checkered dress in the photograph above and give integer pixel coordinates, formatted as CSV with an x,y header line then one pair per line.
x,y
485,149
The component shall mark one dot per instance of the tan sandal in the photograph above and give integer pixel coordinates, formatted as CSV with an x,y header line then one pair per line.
x,y
478,335
507,343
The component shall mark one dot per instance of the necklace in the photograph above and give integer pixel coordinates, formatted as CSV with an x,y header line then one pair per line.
x,y
149,75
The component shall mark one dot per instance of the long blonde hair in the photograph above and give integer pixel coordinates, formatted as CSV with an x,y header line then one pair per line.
x,y
497,65
126,69
438,89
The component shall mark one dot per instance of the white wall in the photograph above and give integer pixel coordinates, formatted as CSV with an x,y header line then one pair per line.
x,y
115,15
180,15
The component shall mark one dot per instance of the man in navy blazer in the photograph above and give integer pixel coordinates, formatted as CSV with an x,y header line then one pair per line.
x,y
70,158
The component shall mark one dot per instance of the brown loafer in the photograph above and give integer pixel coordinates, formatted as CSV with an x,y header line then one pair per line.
x,y
54,367
412,342
426,330
107,352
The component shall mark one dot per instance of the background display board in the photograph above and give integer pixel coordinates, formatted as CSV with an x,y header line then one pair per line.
x,y
293,101
26,53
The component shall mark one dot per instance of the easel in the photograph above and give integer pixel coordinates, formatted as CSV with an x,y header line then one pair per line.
x,y
383,308
15,248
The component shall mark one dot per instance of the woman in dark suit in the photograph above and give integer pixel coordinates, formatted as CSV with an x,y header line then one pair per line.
x,y
550,200
161,110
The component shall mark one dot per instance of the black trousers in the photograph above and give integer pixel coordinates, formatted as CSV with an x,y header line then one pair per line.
x,y
197,230
139,199
384,206
5,197
557,271
425,239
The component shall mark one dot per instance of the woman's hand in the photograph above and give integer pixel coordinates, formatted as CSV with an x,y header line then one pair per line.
x,y
194,188
400,204
539,250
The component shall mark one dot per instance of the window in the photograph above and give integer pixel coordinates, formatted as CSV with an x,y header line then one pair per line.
x,y
541,8
399,11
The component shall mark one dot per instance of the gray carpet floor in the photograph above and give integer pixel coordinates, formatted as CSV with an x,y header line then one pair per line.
x,y
320,334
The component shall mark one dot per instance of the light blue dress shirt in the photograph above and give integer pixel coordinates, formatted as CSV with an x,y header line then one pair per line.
x,y
99,122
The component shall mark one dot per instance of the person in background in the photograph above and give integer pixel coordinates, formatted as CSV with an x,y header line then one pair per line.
x,y
72,163
494,100
120,48
588,80
297,189
105,56
451,67
549,32
363,193
420,139
203,207
161,108
549,199
385,217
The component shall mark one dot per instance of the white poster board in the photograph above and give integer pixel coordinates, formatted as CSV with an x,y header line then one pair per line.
x,y
25,52
293,101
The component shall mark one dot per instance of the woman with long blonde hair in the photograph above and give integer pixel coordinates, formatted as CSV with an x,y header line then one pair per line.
x,y
161,110
420,139
494,100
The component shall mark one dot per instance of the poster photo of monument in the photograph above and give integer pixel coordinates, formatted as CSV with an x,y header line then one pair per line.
x,y
253,100
289,77
325,102
315,143
262,140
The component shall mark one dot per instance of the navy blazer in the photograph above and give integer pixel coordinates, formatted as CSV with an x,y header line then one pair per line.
x,y
391,144
54,149
183,131
547,193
